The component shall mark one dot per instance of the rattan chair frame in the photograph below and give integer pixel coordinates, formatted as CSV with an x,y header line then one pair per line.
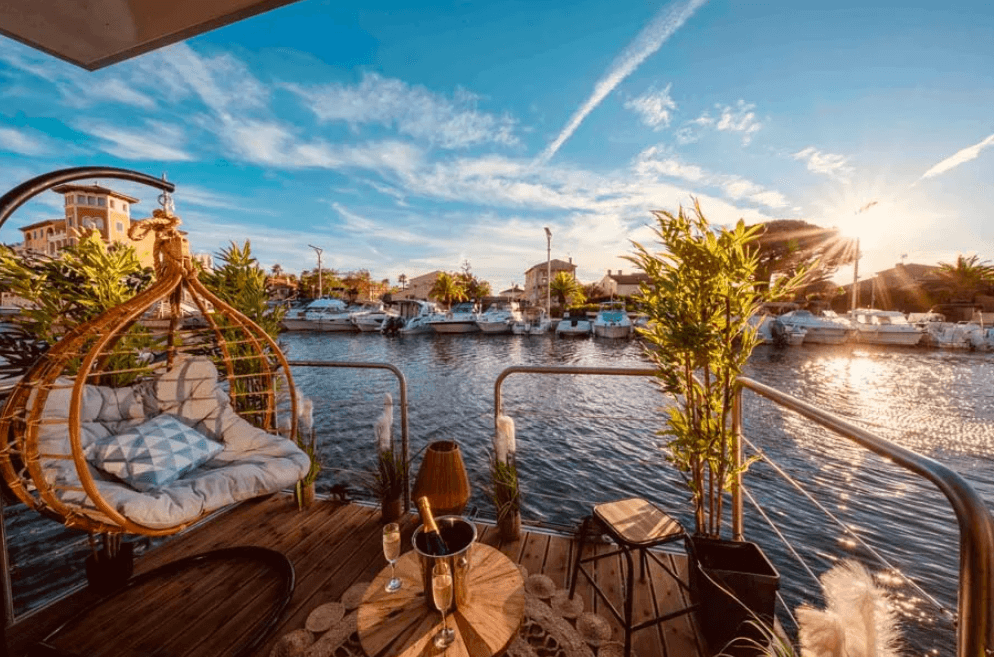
x,y
21,462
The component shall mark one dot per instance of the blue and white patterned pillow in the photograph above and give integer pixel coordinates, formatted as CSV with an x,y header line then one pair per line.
x,y
153,454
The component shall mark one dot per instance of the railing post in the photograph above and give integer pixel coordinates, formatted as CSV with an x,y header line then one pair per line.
x,y
737,533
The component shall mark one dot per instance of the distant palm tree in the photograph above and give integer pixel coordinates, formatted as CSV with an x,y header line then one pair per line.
x,y
965,279
277,269
566,288
402,279
447,289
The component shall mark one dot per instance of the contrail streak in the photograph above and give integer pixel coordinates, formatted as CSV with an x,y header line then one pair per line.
x,y
649,40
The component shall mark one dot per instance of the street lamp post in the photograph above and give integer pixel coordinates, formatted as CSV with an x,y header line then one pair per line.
x,y
548,271
320,286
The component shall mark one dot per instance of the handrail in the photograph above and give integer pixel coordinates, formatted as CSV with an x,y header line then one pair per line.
x,y
552,369
975,629
405,449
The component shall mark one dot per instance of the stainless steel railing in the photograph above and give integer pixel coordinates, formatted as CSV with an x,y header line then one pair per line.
x,y
402,382
975,627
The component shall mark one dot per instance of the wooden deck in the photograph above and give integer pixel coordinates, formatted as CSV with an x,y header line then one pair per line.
x,y
332,546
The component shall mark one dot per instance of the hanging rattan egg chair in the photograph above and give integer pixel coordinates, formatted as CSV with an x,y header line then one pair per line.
x,y
223,376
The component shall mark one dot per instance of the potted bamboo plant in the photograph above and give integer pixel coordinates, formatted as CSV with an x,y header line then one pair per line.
x,y
699,298
506,493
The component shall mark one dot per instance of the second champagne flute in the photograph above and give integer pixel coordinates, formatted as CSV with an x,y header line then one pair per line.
x,y
441,590
391,550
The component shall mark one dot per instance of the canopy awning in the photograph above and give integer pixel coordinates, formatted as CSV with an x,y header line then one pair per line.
x,y
97,33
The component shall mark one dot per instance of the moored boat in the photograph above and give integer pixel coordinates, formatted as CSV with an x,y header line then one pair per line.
x,y
533,322
499,316
319,315
824,328
371,317
612,321
460,319
574,323
412,317
885,327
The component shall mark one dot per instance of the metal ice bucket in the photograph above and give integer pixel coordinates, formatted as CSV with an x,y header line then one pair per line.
x,y
460,535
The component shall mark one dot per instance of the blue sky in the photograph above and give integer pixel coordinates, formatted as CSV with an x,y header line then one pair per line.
x,y
404,138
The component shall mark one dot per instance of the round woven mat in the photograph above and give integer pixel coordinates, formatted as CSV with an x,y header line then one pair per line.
x,y
546,631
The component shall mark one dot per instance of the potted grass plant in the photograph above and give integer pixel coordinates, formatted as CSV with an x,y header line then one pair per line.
x,y
506,493
390,474
307,441
700,294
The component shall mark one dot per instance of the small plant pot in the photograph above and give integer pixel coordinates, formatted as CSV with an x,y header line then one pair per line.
x,y
305,495
106,574
510,526
391,509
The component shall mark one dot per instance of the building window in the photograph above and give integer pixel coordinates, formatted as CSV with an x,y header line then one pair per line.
x,y
112,204
124,207
91,200
101,201
120,227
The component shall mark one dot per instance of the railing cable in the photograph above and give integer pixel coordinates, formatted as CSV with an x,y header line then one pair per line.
x,y
793,482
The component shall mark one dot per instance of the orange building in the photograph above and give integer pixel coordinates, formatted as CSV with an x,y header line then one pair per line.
x,y
88,207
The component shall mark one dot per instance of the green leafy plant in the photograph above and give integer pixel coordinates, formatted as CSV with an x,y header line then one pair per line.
x,y
87,279
699,298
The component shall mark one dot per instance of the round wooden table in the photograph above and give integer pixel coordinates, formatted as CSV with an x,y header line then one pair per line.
x,y
401,624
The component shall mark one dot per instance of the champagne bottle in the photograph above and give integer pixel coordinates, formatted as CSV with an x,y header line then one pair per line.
x,y
434,543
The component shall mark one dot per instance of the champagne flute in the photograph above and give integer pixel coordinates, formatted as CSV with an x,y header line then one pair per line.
x,y
391,550
441,590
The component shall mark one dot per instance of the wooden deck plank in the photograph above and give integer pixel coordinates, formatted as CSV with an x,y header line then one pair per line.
x,y
332,547
610,574
557,561
680,633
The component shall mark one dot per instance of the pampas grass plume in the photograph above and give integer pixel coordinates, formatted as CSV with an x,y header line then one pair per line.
x,y
859,607
381,429
504,446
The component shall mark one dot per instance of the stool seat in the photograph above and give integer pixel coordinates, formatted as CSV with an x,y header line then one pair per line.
x,y
637,522
635,525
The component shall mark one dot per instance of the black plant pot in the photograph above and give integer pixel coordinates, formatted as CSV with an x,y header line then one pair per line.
x,y
107,574
722,569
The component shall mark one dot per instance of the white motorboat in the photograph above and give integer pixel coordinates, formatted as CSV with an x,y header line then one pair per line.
x,y
612,321
413,316
533,322
159,317
460,319
825,328
319,315
499,316
885,327
370,318
966,336
574,323
772,331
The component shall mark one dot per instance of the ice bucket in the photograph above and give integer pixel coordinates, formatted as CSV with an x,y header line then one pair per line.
x,y
459,535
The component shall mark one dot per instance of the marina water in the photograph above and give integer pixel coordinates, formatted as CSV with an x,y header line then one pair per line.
x,y
588,439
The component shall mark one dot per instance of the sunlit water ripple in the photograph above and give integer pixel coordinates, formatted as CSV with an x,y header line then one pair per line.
x,y
586,439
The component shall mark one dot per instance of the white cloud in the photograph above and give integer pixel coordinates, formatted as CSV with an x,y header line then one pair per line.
x,y
958,158
739,118
665,23
16,141
412,110
654,162
222,82
654,107
828,164
157,142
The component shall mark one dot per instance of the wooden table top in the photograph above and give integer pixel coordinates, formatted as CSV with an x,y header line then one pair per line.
x,y
401,624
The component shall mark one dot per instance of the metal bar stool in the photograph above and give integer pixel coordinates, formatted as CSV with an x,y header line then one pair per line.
x,y
632,524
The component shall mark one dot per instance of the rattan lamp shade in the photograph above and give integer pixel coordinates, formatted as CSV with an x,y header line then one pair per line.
x,y
443,479
110,350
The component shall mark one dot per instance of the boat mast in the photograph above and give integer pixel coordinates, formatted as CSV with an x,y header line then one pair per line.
x,y
855,280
